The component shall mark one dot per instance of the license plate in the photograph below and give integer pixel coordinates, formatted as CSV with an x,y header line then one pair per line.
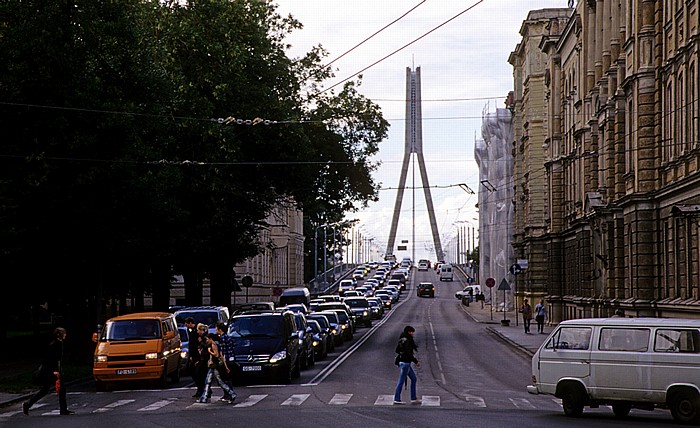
x,y
252,368
126,371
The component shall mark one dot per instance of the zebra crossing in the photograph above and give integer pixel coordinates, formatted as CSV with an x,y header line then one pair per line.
x,y
153,404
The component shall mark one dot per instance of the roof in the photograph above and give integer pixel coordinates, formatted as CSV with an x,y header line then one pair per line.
x,y
636,322
141,315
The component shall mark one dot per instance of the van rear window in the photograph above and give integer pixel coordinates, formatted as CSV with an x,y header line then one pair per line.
x,y
624,339
677,340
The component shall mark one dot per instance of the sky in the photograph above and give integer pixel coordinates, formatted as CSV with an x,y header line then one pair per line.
x,y
464,73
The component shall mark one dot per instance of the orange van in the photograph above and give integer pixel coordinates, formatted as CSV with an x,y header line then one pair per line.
x,y
138,346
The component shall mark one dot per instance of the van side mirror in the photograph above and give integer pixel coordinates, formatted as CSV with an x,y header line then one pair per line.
x,y
169,335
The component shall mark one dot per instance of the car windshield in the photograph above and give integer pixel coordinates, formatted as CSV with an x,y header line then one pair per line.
x,y
342,316
131,330
208,318
314,327
373,303
357,303
266,326
321,320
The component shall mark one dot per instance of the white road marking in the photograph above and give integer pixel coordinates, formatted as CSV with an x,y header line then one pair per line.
x,y
476,401
157,405
430,401
17,412
340,399
296,400
522,403
112,406
384,400
251,401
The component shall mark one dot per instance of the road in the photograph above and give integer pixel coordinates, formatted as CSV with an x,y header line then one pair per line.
x,y
468,378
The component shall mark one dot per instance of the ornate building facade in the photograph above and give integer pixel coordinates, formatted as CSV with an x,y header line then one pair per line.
x,y
620,159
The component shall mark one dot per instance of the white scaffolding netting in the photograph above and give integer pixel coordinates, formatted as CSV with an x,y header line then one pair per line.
x,y
494,156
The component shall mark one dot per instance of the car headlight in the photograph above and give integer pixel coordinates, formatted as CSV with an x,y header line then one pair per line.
x,y
344,326
315,343
101,358
281,355
364,314
183,355
335,331
152,356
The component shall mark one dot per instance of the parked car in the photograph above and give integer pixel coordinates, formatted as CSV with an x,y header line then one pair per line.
x,y
266,344
426,289
360,308
207,315
469,292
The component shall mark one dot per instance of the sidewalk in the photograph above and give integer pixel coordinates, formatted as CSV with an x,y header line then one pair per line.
x,y
512,334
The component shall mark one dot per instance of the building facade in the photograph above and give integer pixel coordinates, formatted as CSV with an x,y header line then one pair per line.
x,y
620,159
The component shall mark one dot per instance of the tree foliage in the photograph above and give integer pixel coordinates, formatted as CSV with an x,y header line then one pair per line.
x,y
114,170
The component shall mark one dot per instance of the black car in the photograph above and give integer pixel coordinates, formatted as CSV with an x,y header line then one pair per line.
x,y
328,328
335,325
342,306
360,308
426,289
266,343
307,357
320,339
345,323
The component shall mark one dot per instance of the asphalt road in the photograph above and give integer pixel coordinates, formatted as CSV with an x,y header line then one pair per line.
x,y
468,378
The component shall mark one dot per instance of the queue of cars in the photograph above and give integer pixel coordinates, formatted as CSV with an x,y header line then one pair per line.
x,y
271,342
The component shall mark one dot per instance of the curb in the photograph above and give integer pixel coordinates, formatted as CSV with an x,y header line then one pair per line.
x,y
500,335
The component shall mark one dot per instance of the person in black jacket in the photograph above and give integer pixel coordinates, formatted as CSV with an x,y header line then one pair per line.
x,y
51,374
405,349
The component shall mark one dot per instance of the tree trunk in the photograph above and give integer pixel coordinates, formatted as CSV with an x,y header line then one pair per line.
x,y
220,284
193,287
160,283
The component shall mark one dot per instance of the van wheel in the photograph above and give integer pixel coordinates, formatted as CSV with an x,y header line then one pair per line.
x,y
685,407
572,402
621,410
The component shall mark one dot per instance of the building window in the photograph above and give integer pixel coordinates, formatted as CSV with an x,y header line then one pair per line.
x,y
629,137
693,108
679,112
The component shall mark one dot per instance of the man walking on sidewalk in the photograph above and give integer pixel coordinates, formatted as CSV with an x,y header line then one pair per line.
x,y
540,315
526,310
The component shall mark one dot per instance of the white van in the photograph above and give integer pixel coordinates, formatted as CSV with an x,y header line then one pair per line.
x,y
446,272
623,362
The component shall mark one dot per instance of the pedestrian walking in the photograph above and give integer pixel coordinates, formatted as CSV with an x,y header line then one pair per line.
x,y
226,349
540,315
526,310
216,364
405,349
200,361
51,374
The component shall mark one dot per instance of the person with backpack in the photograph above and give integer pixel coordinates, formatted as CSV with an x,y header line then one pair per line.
x,y
405,349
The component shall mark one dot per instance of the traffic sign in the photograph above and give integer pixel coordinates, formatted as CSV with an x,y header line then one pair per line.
x,y
490,282
247,281
277,291
503,286
515,269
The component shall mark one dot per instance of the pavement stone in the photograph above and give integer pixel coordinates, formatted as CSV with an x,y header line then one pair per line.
x,y
512,334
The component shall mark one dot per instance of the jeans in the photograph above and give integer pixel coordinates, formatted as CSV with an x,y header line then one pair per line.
x,y
540,323
211,374
406,371
526,323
